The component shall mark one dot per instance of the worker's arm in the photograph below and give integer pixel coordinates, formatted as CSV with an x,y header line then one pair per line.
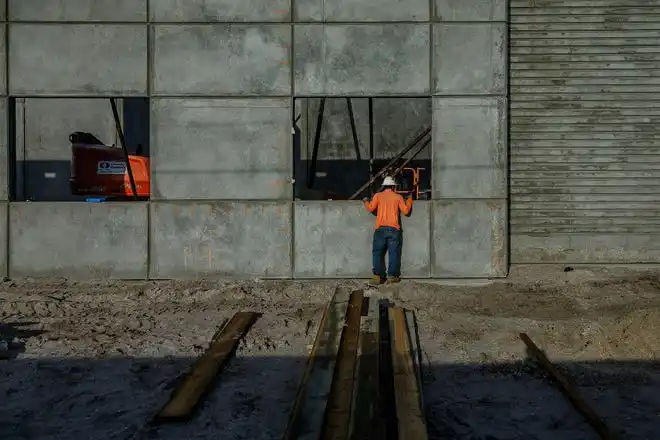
x,y
405,207
371,205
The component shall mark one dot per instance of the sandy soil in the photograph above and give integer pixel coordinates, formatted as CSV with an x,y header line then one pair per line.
x,y
96,360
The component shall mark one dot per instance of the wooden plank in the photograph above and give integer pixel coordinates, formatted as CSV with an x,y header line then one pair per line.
x,y
387,418
187,396
410,417
364,412
416,353
338,413
568,390
307,416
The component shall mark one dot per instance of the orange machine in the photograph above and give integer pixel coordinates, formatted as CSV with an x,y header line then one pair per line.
x,y
416,190
100,170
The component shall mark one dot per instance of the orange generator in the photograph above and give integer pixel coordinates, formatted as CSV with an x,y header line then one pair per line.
x,y
100,170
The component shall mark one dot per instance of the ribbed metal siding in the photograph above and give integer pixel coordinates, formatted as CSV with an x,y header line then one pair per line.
x,y
585,117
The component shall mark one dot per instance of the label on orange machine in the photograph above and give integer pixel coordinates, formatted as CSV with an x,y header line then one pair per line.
x,y
110,167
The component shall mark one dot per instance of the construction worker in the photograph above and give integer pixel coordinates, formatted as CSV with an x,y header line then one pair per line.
x,y
388,206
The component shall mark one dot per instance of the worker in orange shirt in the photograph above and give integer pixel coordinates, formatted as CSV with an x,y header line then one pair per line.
x,y
387,237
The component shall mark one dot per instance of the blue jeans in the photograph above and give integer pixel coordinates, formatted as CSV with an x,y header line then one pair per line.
x,y
387,240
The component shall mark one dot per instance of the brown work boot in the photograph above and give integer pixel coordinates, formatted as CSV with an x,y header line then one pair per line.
x,y
393,280
376,280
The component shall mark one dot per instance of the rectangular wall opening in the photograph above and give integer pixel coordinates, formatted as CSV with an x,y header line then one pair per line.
x,y
341,144
76,149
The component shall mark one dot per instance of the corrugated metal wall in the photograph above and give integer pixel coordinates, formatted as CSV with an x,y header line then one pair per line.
x,y
585,130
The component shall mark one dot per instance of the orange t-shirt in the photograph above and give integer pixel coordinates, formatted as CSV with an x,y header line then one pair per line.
x,y
389,204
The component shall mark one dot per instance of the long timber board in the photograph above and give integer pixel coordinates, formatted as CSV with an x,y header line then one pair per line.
x,y
308,414
188,395
407,393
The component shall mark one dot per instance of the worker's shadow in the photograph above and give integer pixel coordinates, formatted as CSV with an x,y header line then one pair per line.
x,y
13,336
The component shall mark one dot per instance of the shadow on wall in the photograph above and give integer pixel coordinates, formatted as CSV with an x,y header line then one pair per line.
x,y
45,180
112,398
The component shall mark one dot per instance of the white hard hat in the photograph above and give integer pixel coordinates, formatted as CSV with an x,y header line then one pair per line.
x,y
389,181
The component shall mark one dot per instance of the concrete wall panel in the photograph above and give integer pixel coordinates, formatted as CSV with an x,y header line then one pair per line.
x,y
4,181
221,240
3,60
220,10
362,10
469,59
221,149
362,60
78,59
222,60
579,248
78,10
470,10
3,239
78,240
469,238
469,147
333,240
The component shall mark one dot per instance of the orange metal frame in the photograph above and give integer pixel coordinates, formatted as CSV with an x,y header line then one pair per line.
x,y
416,191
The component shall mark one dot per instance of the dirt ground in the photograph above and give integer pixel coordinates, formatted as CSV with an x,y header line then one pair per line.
x,y
96,360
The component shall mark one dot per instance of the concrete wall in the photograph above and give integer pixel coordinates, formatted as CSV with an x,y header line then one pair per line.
x,y
222,76
334,240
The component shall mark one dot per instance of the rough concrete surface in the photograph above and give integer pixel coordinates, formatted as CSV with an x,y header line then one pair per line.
x,y
469,59
220,10
221,149
222,59
97,360
470,10
78,10
220,239
4,190
361,60
333,239
3,59
362,10
4,208
79,240
74,59
469,238
469,147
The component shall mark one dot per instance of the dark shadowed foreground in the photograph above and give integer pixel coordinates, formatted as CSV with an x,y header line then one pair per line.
x,y
96,361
